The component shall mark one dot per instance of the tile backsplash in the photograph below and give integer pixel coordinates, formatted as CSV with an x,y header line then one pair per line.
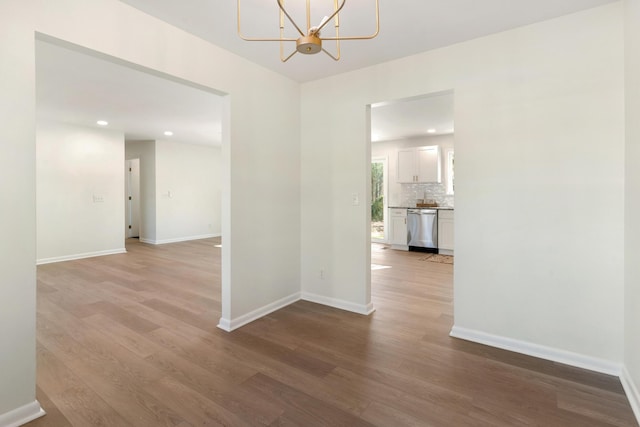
x,y
434,191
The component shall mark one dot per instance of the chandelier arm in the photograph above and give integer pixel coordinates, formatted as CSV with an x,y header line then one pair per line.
x,y
372,36
250,39
289,17
283,59
335,58
333,16
337,25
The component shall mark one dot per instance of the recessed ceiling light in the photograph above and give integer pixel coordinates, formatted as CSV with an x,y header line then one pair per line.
x,y
102,122
168,133
431,131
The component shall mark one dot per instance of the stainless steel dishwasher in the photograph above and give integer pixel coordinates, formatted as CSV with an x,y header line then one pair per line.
x,y
422,225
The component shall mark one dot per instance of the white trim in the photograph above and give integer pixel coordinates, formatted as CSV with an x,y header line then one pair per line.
x,y
233,324
338,303
224,324
80,256
22,415
399,247
630,388
540,351
178,239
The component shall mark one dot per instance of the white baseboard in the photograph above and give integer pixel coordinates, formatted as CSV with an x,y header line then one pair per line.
x,y
233,324
631,389
80,256
338,303
178,239
540,351
22,415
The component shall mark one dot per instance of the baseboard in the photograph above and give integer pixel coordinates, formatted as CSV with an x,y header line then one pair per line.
x,y
338,303
80,256
553,354
22,415
233,324
178,239
633,394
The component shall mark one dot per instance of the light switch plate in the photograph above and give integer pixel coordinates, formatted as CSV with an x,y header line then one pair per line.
x,y
355,199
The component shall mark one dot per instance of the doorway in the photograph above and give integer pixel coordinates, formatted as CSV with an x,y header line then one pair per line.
x,y
132,198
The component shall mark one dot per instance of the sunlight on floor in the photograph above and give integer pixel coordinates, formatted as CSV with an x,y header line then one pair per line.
x,y
379,267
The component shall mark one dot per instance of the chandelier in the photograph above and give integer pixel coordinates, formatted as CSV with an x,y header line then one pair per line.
x,y
310,40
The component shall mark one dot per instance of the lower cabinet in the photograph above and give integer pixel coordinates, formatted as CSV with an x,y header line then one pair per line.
x,y
445,231
399,238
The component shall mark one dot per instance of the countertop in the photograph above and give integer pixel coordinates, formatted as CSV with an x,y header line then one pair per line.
x,y
413,207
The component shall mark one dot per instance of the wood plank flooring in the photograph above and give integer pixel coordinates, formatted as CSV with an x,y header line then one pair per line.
x,y
131,340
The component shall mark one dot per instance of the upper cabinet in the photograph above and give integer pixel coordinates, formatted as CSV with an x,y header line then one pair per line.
x,y
421,164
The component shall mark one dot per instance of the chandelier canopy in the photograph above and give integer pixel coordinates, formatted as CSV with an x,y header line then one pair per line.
x,y
310,40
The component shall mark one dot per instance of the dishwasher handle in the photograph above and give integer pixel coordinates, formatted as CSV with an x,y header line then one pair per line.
x,y
422,212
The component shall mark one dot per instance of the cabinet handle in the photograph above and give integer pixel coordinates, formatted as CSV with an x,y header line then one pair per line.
x,y
405,221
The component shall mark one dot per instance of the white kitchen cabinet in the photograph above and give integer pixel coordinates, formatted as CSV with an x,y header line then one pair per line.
x,y
399,238
445,231
406,166
421,164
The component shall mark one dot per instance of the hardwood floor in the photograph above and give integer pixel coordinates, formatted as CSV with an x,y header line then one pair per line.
x,y
130,340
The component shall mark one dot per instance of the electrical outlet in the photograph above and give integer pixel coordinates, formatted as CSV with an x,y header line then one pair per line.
x,y
322,274
98,198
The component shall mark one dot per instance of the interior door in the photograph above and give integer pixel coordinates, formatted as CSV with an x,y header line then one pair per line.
x,y
132,201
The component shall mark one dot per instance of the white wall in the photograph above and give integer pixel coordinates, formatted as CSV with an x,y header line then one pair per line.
x,y
181,190
254,173
389,149
188,189
539,144
146,152
17,228
80,192
631,376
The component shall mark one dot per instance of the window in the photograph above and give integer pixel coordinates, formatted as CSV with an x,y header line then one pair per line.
x,y
450,178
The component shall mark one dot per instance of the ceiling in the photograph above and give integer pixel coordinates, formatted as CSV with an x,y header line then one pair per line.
x,y
74,87
80,88
420,116
406,27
